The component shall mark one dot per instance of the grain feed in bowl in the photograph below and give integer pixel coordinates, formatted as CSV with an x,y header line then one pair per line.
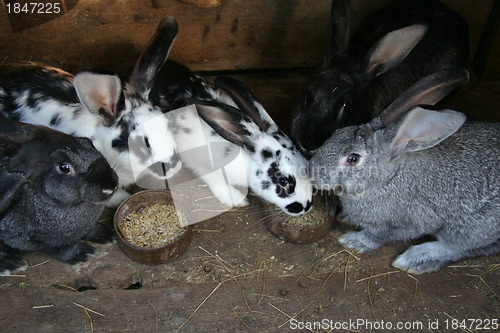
x,y
302,229
153,226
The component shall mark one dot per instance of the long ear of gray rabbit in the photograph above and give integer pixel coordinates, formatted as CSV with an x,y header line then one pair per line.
x,y
427,91
154,56
422,129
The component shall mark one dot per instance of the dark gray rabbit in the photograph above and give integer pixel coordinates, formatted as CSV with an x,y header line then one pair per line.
x,y
426,173
52,191
392,49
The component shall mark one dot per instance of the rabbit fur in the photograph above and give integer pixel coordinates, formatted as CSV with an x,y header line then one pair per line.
x,y
246,149
424,173
52,191
125,127
360,76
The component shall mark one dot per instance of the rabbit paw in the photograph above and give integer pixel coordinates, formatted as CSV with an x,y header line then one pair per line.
x,y
11,264
359,241
229,196
424,258
73,253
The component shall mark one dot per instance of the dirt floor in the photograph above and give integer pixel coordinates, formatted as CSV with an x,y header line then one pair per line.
x,y
237,277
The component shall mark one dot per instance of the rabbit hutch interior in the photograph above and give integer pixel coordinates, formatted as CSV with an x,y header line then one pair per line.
x,y
209,112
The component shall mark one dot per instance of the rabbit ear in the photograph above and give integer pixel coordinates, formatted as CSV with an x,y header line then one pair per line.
x,y
245,100
422,129
226,121
153,57
427,91
9,187
100,93
340,21
391,50
13,133
12,137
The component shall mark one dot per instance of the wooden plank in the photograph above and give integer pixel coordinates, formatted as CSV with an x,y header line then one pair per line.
x,y
234,35
253,305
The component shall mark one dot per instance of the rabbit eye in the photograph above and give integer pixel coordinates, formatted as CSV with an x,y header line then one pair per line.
x,y
64,168
353,159
283,181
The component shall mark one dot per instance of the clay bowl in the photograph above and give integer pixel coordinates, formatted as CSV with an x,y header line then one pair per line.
x,y
152,256
294,229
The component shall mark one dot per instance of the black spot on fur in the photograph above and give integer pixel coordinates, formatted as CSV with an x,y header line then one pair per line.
x,y
266,184
258,173
250,148
55,121
174,84
285,184
121,143
266,154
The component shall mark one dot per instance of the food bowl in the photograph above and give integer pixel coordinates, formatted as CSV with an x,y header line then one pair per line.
x,y
145,247
303,229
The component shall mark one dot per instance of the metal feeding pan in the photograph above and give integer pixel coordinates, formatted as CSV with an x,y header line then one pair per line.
x,y
152,256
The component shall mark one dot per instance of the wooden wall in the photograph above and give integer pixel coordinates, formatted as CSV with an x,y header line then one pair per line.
x,y
236,34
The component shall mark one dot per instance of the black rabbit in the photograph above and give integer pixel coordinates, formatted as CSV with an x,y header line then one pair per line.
x,y
392,49
53,187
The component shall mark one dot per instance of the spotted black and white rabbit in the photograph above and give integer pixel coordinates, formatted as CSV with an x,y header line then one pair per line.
x,y
392,49
124,126
424,173
52,191
246,143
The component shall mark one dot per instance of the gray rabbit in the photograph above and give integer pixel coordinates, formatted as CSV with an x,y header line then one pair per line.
x,y
52,191
424,173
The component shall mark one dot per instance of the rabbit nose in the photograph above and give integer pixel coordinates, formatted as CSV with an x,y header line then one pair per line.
x,y
295,208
